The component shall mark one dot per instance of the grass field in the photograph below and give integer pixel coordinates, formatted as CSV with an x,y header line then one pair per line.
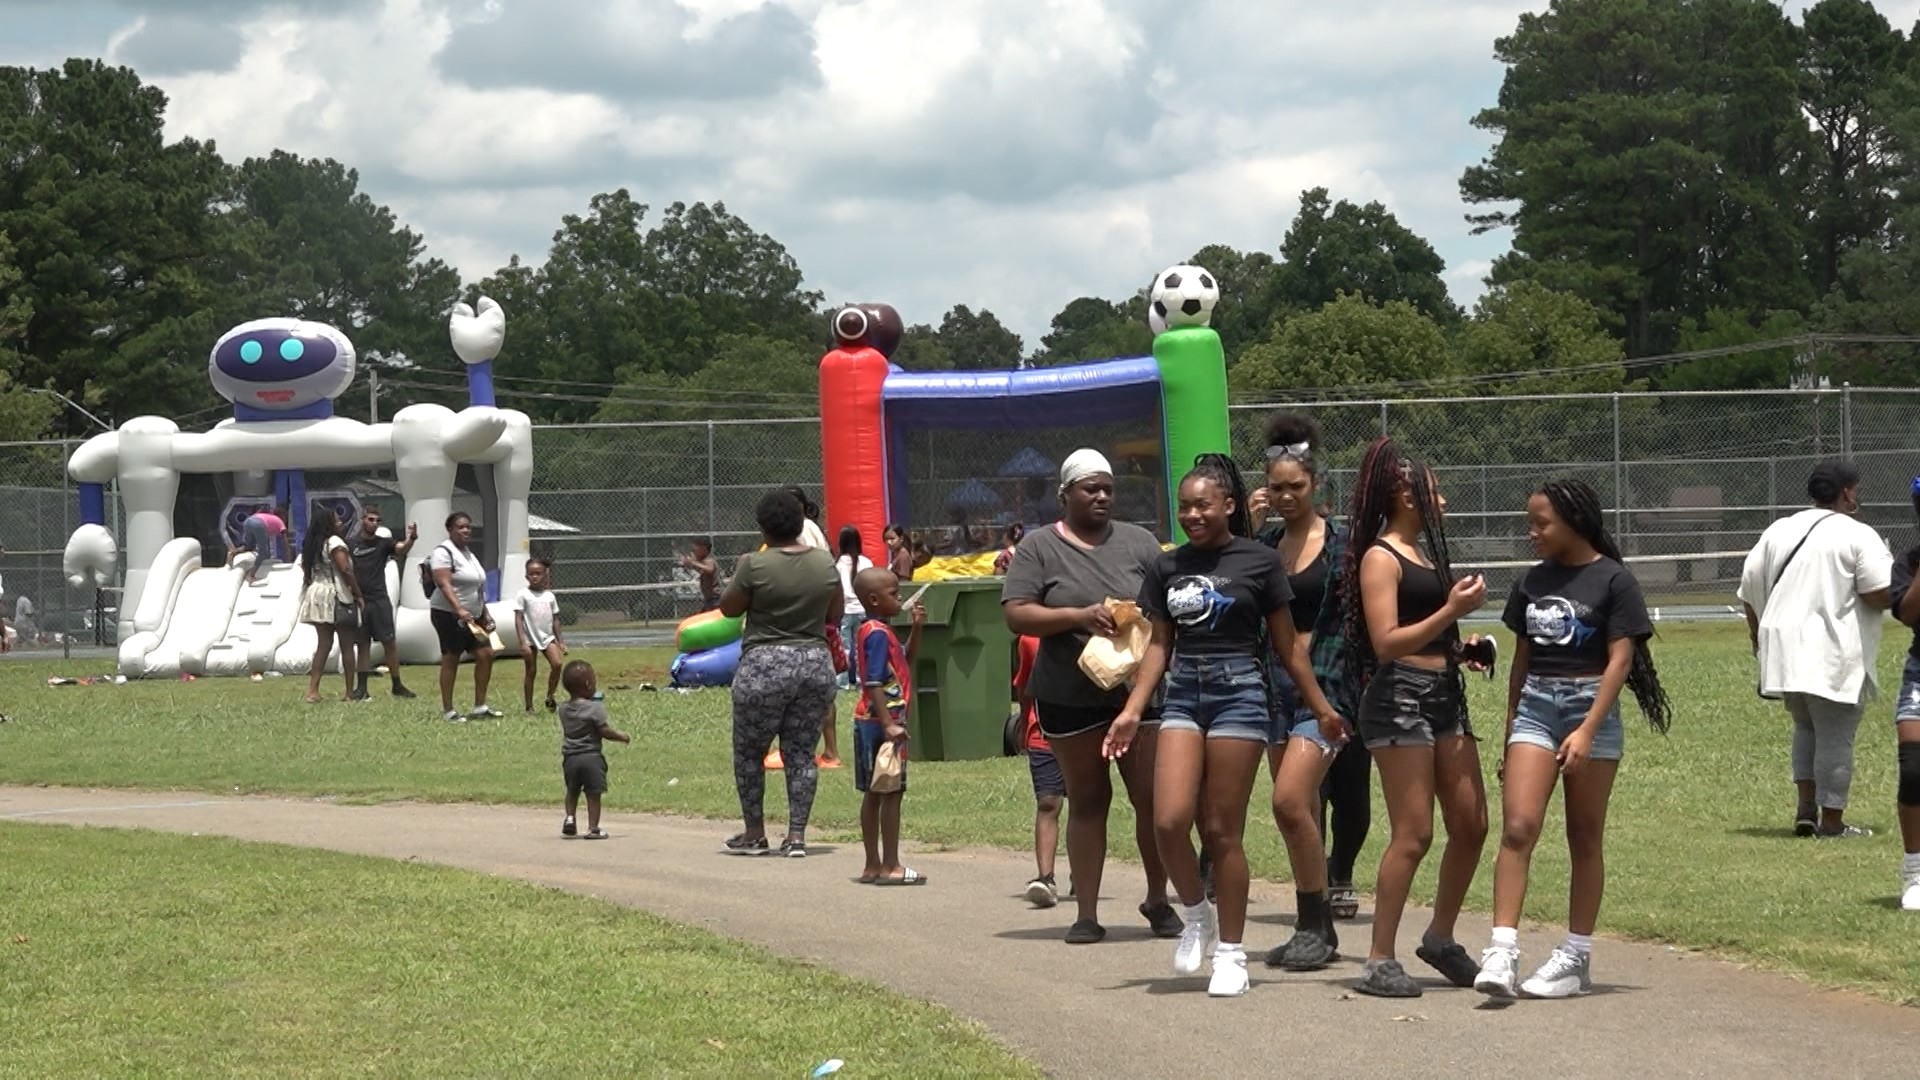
x,y
259,960
1700,849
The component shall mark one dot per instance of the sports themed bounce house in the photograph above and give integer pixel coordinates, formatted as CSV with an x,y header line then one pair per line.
x,y
869,407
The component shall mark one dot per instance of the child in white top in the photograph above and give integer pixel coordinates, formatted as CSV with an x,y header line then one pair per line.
x,y
536,619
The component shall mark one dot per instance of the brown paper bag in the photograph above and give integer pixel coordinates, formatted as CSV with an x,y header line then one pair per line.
x,y
1110,662
888,770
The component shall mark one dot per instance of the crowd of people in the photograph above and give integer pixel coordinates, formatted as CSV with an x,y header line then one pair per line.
x,y
1318,645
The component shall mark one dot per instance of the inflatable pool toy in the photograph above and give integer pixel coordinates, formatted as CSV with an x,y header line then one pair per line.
x,y
707,630
710,667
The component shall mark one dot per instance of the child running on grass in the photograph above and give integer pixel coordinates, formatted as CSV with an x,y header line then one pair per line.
x,y
536,618
1049,785
886,686
583,724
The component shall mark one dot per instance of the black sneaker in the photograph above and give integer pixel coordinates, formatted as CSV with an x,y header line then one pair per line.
x,y
1387,979
1085,932
738,844
568,828
1307,950
1452,961
1164,921
1804,824
402,692
793,849
1342,901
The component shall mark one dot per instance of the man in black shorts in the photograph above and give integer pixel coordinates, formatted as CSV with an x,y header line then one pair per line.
x,y
371,546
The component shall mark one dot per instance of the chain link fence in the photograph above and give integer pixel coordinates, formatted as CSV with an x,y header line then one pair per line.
x,y
1691,479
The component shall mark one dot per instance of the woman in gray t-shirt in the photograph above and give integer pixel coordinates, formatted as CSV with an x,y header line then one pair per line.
x,y
789,591
1057,584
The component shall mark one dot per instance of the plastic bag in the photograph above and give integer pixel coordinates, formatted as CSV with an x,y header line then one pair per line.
x,y
1111,661
888,770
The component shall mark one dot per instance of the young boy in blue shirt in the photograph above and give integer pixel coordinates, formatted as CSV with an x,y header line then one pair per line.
x,y
885,672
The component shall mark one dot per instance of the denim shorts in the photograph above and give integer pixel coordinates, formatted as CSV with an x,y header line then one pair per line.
x,y
1222,697
1552,709
867,738
1406,705
1907,705
1291,718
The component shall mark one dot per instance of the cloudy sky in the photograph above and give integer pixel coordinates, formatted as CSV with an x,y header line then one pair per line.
x,y
1012,154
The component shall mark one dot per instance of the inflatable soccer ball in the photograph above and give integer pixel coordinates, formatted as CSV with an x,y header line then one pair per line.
x,y
1182,296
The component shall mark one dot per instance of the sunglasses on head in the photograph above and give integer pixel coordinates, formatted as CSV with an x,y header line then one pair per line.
x,y
1299,451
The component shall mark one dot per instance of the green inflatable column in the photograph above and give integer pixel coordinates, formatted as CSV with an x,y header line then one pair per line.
x,y
1193,405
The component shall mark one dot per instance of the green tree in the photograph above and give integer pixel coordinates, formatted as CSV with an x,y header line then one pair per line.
x,y
318,248
1335,248
920,350
1348,348
1090,328
1248,295
1650,154
23,416
1736,367
1851,59
976,340
1537,341
115,233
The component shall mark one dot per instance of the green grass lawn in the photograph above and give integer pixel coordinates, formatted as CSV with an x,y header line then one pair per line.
x,y
1700,846
260,960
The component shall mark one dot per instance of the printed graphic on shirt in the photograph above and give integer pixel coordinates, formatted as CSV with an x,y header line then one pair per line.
x,y
1197,602
1556,620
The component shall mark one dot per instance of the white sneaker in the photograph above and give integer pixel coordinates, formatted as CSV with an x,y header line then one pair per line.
x,y
1229,974
1197,938
1564,975
453,717
485,712
1910,892
1497,976
1041,894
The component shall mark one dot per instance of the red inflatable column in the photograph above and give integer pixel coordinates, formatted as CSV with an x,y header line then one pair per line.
x,y
853,439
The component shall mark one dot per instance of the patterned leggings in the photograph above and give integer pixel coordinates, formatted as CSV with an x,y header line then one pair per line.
x,y
780,691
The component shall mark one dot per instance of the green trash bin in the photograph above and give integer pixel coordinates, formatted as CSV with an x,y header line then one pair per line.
x,y
963,676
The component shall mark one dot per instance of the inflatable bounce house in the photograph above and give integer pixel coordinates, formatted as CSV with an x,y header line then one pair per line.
x,y
182,612
870,406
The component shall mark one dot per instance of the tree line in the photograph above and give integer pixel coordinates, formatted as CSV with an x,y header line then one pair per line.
x,y
1677,176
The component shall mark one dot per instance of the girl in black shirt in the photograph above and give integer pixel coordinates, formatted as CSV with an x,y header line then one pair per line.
x,y
1218,604
1403,653
1582,632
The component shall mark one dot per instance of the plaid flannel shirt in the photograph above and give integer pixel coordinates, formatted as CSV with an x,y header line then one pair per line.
x,y
1327,652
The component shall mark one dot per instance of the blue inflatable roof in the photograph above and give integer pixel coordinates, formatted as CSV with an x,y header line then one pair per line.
x,y
1103,393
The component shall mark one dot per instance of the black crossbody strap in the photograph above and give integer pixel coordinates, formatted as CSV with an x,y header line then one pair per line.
x,y
1778,574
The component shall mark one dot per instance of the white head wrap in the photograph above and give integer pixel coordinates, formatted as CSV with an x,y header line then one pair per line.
x,y
1081,464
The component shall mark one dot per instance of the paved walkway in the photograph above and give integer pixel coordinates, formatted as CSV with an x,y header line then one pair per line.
x,y
1111,1010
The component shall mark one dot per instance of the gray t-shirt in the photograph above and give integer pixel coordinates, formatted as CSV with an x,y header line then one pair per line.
x,y
1058,573
580,724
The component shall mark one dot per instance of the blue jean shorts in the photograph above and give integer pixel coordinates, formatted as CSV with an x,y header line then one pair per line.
x,y
1907,705
867,738
1552,709
1291,718
1222,697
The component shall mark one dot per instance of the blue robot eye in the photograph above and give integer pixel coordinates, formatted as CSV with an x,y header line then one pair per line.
x,y
292,349
250,352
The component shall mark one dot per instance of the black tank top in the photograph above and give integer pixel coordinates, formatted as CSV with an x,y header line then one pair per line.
x,y
1309,592
1421,594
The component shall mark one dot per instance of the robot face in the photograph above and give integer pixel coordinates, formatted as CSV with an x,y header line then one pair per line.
x,y
281,364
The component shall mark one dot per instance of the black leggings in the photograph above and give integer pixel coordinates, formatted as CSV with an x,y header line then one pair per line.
x,y
1348,790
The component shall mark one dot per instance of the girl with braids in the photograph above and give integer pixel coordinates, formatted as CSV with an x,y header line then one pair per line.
x,y
1217,603
1582,627
1404,652
1305,756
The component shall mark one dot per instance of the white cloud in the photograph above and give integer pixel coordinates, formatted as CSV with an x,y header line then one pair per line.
x,y
1009,154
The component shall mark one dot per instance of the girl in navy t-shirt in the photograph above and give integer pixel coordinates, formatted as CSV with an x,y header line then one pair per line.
x,y
1582,627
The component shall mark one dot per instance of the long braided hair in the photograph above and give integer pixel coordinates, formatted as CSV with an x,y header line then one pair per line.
x,y
1384,473
1577,504
1221,469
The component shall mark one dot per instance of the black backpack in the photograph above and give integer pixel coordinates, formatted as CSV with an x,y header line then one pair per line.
x,y
427,586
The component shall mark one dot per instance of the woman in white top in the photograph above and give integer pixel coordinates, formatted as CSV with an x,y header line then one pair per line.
x,y
330,599
850,563
811,534
1815,589
460,619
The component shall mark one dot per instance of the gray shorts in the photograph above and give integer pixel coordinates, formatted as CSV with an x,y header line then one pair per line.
x,y
585,773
